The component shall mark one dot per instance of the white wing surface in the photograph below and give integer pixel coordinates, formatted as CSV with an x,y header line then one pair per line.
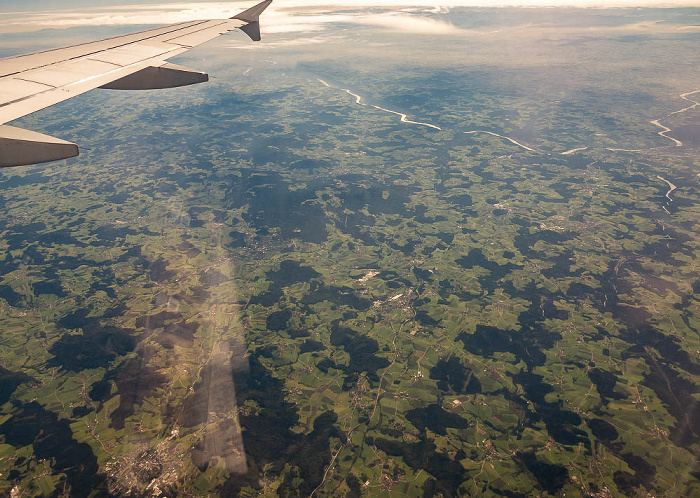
x,y
130,62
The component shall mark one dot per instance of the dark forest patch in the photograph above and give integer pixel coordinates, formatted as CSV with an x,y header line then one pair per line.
x,y
407,248
426,275
420,217
80,411
158,271
267,298
277,320
96,347
211,278
526,347
446,237
105,281
476,258
361,350
49,287
23,235
8,264
311,456
295,212
310,346
189,249
135,381
454,378
110,233
77,319
8,294
422,455
435,418
378,199
21,180
338,295
562,266
289,273
425,319
356,224
118,198
461,200
269,441
525,240
52,440
100,390
541,309
19,240
603,430
628,483
550,478
237,239
309,164
9,382
677,395
670,243
605,383
177,334
561,424
668,346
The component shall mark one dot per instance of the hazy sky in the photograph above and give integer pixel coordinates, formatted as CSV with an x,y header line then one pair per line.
x,y
34,5
283,16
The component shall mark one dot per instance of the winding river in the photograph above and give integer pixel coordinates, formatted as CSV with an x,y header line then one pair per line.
x,y
656,122
358,100
665,130
671,188
503,137
573,151
684,96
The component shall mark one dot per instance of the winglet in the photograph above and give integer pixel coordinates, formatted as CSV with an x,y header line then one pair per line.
x,y
252,29
253,13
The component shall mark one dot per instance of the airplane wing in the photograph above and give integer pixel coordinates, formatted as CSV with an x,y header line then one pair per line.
x,y
130,62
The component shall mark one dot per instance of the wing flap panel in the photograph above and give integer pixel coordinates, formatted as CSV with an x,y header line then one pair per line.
x,y
20,147
13,109
12,89
37,60
68,72
132,54
32,82
208,32
153,78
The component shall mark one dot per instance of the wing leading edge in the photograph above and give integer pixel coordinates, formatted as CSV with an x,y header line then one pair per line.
x,y
136,61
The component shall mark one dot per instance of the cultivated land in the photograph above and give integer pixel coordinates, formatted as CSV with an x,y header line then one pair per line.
x,y
466,266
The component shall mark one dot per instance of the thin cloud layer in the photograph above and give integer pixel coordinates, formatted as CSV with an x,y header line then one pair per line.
x,y
285,20
301,15
351,4
407,23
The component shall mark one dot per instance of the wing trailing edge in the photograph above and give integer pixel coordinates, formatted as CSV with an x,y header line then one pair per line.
x,y
136,61
157,77
20,147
